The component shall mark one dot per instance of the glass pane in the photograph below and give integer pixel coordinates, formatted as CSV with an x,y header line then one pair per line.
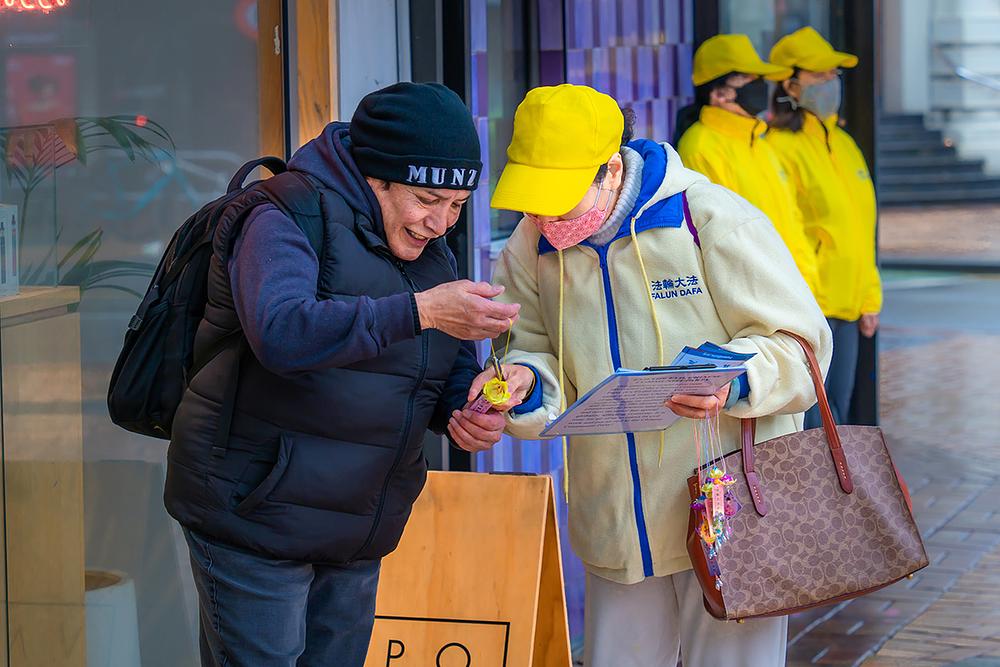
x,y
508,79
114,129
767,21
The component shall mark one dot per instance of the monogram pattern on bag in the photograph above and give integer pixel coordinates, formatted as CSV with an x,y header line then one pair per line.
x,y
816,542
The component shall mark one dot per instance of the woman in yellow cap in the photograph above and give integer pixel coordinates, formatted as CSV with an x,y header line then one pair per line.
x,y
835,193
623,257
720,136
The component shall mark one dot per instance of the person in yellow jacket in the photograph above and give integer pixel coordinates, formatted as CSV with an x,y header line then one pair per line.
x,y
725,143
835,193
623,257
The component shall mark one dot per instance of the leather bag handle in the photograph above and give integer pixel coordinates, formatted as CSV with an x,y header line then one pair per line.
x,y
829,428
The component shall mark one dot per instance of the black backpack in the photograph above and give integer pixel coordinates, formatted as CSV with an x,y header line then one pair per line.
x,y
156,362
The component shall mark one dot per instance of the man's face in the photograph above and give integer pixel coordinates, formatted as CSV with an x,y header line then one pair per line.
x,y
413,217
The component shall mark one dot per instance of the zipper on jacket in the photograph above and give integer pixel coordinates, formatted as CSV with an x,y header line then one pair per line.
x,y
408,423
640,517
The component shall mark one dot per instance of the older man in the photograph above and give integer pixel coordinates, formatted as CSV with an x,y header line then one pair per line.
x,y
350,354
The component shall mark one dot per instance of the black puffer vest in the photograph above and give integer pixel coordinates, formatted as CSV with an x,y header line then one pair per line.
x,y
323,466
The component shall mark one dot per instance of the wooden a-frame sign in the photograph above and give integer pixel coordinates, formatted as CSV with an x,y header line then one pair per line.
x,y
477,579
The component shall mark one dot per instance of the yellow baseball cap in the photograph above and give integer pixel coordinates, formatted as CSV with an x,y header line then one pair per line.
x,y
562,135
723,54
806,49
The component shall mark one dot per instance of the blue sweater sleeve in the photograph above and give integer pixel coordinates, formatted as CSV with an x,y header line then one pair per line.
x,y
739,389
273,272
532,401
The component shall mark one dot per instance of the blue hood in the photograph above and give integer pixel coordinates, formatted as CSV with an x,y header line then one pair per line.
x,y
328,159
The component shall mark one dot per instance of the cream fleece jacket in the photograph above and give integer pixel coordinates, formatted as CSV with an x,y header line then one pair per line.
x,y
627,513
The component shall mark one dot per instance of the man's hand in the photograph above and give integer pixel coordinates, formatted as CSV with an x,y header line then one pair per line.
x,y
464,310
519,382
698,407
868,324
475,432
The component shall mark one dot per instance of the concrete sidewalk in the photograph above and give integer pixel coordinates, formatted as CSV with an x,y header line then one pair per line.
x,y
946,238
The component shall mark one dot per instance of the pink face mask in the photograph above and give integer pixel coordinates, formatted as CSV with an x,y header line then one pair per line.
x,y
564,234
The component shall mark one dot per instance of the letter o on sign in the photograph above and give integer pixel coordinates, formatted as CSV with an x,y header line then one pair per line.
x,y
468,656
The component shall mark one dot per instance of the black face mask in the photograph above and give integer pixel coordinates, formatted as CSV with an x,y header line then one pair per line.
x,y
753,97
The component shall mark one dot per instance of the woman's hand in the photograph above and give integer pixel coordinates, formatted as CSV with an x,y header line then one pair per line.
x,y
698,407
520,380
868,324
475,432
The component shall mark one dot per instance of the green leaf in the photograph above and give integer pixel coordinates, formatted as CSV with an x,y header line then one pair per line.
x,y
89,245
81,145
119,134
151,126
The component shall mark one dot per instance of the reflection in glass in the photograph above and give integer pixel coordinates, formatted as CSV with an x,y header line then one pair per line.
x,y
111,134
767,21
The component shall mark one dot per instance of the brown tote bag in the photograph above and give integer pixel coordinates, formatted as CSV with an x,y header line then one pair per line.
x,y
825,517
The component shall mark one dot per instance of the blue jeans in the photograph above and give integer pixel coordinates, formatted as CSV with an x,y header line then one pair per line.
x,y
840,378
258,612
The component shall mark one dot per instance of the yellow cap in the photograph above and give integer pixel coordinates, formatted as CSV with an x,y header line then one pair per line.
x,y
723,54
562,134
806,49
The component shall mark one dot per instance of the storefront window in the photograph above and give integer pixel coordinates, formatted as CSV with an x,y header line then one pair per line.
x,y
767,21
117,121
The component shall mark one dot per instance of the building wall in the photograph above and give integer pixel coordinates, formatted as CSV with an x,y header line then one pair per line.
x,y
922,44
966,33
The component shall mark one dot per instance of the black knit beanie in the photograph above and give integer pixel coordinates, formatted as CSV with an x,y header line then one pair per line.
x,y
419,134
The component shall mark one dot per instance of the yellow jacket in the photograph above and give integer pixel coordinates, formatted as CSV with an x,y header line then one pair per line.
x,y
728,149
735,284
837,200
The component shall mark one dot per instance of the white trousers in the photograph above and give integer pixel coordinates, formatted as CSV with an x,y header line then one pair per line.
x,y
650,623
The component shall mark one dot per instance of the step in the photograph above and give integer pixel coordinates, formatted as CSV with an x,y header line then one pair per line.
x,y
940,177
956,195
905,145
898,120
959,168
935,189
909,134
944,161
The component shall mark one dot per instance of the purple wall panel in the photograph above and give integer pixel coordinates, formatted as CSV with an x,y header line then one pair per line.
x,y
550,25
666,70
685,87
650,21
606,23
623,70
577,66
645,75
580,18
672,28
628,23
600,75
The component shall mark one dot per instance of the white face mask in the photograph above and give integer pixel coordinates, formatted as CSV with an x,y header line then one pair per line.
x,y
823,99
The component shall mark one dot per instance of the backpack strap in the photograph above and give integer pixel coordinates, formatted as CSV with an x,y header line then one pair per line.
x,y
295,195
273,164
